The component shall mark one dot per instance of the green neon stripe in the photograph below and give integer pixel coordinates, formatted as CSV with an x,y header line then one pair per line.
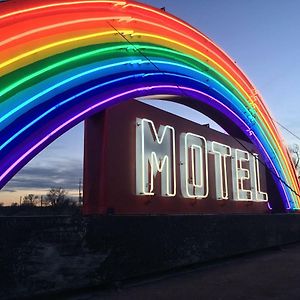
x,y
41,70
78,57
46,68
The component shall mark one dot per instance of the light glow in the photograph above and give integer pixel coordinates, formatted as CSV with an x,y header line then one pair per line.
x,y
240,175
139,24
194,166
155,150
221,152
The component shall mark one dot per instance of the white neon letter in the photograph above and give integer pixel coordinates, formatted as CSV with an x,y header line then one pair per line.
x,y
193,166
259,196
155,152
221,152
239,175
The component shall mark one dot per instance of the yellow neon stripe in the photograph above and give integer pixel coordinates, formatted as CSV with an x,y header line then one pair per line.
x,y
59,43
118,17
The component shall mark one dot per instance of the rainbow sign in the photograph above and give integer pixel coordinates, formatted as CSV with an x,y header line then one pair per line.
x,y
63,61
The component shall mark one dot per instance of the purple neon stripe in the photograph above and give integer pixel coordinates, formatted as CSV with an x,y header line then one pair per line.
x,y
275,170
89,109
261,146
121,95
60,127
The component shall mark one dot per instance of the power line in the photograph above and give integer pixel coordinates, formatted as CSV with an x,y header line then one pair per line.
x,y
245,147
288,130
145,56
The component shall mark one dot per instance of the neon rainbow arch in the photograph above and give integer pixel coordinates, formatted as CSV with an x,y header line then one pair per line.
x,y
63,61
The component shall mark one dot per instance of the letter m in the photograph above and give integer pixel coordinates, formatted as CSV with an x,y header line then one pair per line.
x,y
155,152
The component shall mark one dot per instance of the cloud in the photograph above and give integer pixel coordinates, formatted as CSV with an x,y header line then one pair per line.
x,y
64,173
9,190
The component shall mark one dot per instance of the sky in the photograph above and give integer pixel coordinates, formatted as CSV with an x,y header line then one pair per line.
x,y
261,36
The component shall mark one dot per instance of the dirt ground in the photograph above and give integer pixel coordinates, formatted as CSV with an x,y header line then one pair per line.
x,y
269,274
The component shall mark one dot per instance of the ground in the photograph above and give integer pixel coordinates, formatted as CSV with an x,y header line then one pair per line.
x,y
268,274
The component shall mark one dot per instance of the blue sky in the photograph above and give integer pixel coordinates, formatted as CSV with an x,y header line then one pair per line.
x,y
261,36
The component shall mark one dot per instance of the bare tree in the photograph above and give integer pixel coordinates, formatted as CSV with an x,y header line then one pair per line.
x,y
57,196
295,153
30,199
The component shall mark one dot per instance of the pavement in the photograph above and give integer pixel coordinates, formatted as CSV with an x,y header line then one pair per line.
x,y
269,274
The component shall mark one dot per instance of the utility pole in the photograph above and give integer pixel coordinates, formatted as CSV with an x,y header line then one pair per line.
x,y
80,191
